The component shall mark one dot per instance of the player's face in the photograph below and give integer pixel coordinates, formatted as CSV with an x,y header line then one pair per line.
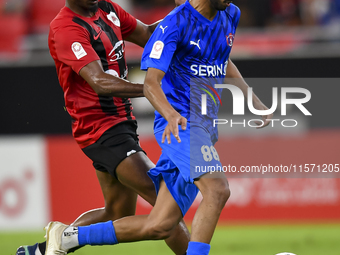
x,y
220,5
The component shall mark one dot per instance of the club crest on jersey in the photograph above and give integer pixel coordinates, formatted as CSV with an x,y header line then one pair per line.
x,y
78,50
157,50
230,39
113,18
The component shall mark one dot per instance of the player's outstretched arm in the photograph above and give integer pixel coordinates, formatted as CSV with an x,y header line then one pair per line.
x,y
234,77
108,85
154,93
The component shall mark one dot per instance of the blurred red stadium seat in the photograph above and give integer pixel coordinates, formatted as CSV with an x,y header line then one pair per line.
x,y
149,16
43,12
13,27
12,31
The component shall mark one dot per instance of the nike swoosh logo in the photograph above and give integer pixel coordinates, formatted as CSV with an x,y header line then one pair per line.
x,y
97,36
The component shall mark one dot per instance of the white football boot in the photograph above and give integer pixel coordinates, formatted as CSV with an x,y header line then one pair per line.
x,y
54,232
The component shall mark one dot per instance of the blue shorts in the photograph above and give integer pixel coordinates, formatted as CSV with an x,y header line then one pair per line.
x,y
181,163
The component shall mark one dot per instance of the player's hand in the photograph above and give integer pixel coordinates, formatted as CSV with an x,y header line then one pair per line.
x,y
265,118
172,127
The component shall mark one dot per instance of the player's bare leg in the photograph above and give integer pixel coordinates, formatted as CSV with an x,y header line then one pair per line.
x,y
120,201
215,192
120,198
160,224
137,179
133,178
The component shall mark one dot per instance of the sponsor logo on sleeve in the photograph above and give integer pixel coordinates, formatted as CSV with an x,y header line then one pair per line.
x,y
163,28
78,50
157,50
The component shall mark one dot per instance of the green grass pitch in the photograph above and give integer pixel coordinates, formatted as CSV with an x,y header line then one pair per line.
x,y
301,239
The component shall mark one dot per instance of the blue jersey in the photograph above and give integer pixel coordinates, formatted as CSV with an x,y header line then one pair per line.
x,y
193,52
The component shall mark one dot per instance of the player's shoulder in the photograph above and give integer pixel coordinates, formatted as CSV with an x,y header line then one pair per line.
x,y
63,18
108,6
232,13
175,17
177,11
67,21
235,7
232,10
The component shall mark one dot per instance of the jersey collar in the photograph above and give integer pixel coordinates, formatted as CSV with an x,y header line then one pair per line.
x,y
94,17
199,16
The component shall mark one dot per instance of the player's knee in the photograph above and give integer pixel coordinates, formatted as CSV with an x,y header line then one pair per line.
x,y
149,193
219,193
114,210
225,194
160,230
222,195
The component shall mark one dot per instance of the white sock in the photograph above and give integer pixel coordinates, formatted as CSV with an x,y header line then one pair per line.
x,y
69,238
37,251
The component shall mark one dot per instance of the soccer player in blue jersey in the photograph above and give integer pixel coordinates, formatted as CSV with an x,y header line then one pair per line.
x,y
188,52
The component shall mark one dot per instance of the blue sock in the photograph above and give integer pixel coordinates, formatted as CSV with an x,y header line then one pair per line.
x,y
97,234
197,248
32,248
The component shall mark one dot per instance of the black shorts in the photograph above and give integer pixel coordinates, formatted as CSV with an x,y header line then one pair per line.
x,y
113,147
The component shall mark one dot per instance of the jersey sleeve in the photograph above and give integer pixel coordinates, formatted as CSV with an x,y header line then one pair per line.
x,y
237,17
73,47
127,21
159,50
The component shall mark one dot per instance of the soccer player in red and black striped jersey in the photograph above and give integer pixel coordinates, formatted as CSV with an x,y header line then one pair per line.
x,y
88,51
86,41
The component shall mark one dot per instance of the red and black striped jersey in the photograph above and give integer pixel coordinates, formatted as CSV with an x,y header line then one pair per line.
x,y
75,41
